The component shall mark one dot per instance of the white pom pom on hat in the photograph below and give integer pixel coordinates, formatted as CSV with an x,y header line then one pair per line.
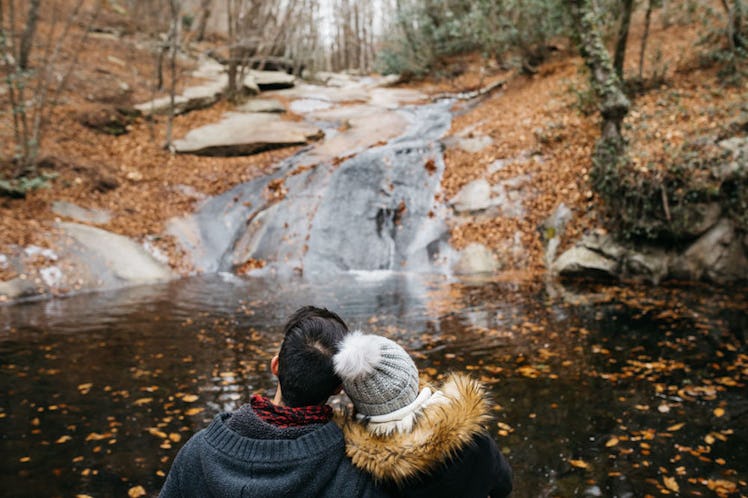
x,y
358,355
378,374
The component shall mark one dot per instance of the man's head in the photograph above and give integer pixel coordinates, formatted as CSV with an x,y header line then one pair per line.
x,y
304,367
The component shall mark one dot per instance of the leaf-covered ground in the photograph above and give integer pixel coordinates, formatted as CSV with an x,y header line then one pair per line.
x,y
536,123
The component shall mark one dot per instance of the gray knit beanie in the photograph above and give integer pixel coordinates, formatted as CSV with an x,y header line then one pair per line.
x,y
378,375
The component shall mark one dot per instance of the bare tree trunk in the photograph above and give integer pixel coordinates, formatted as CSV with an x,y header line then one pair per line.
x,y
205,6
27,38
737,34
174,39
623,36
30,112
645,36
665,14
232,69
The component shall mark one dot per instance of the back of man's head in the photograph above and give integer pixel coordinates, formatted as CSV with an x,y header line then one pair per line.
x,y
305,368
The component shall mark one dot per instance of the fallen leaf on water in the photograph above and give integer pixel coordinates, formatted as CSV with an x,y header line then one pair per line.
x,y
175,437
721,486
611,442
95,436
193,411
155,432
136,491
142,401
718,412
189,398
580,464
63,439
676,427
671,483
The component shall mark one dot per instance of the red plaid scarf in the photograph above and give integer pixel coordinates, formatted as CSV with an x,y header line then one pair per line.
x,y
284,416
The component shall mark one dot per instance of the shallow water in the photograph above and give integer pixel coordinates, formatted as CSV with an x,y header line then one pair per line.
x,y
601,391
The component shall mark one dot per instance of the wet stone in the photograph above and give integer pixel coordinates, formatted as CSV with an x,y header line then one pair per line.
x,y
85,215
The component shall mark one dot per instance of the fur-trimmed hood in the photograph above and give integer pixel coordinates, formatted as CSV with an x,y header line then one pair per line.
x,y
440,432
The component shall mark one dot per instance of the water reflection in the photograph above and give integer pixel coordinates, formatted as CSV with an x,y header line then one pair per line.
x,y
601,391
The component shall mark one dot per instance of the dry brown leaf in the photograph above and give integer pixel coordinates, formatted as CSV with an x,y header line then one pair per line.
x,y
156,432
611,442
136,492
671,483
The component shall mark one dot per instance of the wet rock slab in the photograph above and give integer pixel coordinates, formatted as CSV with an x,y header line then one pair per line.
x,y
239,134
85,215
109,259
261,105
272,80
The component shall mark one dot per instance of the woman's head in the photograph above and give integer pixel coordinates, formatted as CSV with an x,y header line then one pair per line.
x,y
381,379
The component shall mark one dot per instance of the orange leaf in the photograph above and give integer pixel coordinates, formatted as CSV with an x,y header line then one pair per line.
x,y
580,464
671,484
611,442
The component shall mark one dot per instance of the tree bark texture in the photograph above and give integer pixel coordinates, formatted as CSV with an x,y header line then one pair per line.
x,y
27,38
645,36
623,37
614,104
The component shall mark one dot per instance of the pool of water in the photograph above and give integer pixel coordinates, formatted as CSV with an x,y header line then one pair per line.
x,y
599,390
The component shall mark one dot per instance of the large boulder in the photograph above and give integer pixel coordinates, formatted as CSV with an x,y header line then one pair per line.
x,y
594,256
105,259
239,134
717,256
18,288
193,98
272,80
476,258
475,196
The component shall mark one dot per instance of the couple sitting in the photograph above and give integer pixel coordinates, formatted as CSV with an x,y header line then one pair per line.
x,y
404,440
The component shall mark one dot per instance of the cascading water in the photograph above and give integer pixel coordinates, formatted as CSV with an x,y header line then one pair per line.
x,y
374,211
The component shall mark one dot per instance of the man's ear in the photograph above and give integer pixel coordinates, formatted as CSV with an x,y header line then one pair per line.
x,y
274,365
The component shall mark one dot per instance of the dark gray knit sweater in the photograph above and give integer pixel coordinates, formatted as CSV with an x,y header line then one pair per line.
x,y
225,460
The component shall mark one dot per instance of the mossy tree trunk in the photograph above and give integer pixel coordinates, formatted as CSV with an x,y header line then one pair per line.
x,y
614,105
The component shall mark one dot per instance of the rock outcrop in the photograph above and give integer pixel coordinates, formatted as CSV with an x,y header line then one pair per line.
x,y
719,255
239,134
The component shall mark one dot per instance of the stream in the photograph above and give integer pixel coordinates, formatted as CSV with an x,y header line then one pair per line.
x,y
600,391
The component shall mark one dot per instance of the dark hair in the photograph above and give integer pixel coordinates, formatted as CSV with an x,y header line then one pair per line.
x,y
305,369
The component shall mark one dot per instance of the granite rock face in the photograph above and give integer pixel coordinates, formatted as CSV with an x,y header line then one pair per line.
x,y
719,255
240,134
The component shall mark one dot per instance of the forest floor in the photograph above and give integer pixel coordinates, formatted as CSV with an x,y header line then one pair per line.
x,y
548,114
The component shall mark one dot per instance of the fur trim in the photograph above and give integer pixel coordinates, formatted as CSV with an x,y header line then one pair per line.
x,y
439,433
358,355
